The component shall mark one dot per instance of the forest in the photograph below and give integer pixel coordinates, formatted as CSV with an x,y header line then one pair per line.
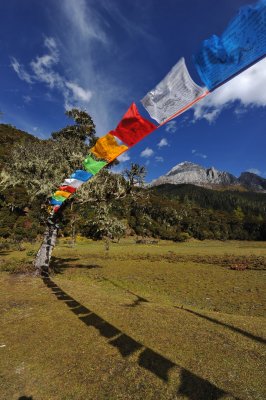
x,y
111,205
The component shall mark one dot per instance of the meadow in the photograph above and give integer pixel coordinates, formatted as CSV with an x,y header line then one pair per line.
x,y
140,321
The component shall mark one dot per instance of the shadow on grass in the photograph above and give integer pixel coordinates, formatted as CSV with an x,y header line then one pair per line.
x,y
191,385
5,252
136,302
25,398
58,265
228,326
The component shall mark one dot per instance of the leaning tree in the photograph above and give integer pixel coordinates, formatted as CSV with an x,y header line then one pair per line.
x,y
41,165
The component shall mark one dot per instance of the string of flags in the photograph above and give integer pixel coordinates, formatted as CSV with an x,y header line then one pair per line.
x,y
219,59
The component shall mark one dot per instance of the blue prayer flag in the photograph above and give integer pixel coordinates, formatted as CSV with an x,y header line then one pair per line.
x,y
55,202
242,43
81,175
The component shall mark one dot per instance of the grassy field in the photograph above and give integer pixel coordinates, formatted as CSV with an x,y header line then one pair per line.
x,y
161,321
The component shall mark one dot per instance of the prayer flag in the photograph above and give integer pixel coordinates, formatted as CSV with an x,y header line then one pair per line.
x,y
62,193
81,175
107,148
242,43
69,189
173,95
53,201
75,183
50,208
93,166
56,208
59,198
133,127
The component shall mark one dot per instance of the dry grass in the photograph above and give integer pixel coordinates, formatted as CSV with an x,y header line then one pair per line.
x,y
165,321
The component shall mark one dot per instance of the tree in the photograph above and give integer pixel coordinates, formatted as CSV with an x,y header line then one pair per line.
x,y
83,130
135,175
105,226
238,213
41,166
99,194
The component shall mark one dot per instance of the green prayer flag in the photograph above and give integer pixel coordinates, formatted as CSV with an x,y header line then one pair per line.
x,y
93,166
59,198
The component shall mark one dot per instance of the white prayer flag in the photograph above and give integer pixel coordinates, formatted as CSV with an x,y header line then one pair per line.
x,y
174,94
75,183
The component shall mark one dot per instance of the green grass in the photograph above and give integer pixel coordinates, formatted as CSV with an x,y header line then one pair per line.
x,y
166,321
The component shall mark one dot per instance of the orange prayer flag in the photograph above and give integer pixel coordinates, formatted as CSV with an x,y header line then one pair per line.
x,y
62,193
107,148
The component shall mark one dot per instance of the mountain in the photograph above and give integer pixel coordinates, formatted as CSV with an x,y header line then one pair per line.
x,y
190,173
252,181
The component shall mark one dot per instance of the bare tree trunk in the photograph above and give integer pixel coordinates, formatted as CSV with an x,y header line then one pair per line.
x,y
44,254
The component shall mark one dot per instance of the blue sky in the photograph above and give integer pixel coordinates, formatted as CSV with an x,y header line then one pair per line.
x,y
102,55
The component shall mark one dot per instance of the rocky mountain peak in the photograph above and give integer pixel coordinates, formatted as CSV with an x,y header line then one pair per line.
x,y
252,180
188,172
183,166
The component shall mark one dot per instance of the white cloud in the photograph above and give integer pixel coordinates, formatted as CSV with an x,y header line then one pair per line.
x,y
82,19
35,128
254,171
78,92
20,71
197,154
201,155
43,66
159,159
163,142
27,99
123,158
50,43
212,115
147,153
43,70
171,126
239,111
248,89
85,48
130,26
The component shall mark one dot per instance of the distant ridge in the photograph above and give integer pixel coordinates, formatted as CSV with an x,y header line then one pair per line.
x,y
189,173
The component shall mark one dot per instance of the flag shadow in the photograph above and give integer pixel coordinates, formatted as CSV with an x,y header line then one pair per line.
x,y
138,301
25,398
191,385
228,326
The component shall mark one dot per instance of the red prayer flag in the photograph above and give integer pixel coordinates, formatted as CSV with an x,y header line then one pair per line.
x,y
69,189
133,127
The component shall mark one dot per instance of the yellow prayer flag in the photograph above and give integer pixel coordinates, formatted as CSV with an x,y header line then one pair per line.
x,y
107,148
50,209
62,193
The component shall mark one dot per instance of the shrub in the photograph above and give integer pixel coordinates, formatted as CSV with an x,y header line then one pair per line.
x,y
31,253
4,246
181,237
23,266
